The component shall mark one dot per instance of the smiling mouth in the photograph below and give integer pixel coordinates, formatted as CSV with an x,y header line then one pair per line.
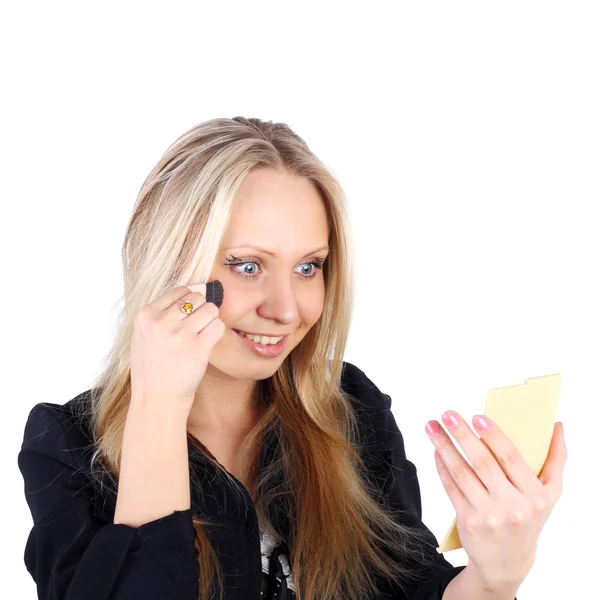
x,y
249,336
262,350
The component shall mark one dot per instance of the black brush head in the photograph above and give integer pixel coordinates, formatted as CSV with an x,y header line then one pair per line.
x,y
214,292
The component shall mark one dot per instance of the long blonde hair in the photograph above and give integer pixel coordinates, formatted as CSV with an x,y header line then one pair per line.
x,y
342,534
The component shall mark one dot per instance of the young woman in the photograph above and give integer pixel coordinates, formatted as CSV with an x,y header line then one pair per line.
x,y
227,450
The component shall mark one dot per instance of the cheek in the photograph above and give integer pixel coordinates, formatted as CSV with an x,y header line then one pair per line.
x,y
236,302
311,309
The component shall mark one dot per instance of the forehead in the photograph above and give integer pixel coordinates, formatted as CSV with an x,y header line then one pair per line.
x,y
277,210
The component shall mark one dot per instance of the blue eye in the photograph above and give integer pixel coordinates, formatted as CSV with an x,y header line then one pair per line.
x,y
316,263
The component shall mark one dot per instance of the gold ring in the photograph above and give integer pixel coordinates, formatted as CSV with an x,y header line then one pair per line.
x,y
186,307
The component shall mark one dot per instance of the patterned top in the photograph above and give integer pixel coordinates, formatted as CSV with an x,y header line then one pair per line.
x,y
277,581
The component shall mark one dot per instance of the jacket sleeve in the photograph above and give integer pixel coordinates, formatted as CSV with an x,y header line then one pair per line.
x,y
397,480
404,493
72,554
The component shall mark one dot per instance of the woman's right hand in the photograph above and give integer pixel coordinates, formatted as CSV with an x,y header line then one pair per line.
x,y
170,349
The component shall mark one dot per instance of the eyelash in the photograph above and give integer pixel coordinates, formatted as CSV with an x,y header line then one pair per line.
x,y
317,263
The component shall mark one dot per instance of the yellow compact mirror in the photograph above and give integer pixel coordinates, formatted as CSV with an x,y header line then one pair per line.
x,y
526,413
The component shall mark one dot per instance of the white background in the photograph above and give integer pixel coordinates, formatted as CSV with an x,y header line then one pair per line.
x,y
466,136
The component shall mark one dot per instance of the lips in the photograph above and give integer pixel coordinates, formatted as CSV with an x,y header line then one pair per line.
x,y
263,350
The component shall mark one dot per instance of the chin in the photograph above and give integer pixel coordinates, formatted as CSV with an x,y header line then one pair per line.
x,y
254,368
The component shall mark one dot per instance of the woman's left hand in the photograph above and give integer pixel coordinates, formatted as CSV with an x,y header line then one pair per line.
x,y
501,506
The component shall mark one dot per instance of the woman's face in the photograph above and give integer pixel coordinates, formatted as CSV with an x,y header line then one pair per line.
x,y
280,293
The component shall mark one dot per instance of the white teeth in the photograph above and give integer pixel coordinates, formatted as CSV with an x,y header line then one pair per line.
x,y
261,339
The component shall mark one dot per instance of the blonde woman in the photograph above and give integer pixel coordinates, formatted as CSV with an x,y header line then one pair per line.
x,y
227,450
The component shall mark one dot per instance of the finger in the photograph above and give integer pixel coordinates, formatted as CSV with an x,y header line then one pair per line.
x,y
460,470
200,317
178,318
552,473
483,461
458,499
167,299
513,466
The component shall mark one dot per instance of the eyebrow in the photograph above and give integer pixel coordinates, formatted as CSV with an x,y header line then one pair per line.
x,y
270,252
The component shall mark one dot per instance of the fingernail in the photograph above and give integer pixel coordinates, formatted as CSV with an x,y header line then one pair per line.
x,y
433,428
450,419
199,287
481,423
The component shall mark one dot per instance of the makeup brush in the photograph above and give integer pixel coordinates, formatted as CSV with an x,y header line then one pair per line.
x,y
212,291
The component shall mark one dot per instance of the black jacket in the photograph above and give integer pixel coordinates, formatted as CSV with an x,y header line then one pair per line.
x,y
75,552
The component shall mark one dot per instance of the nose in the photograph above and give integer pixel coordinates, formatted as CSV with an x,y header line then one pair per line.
x,y
279,301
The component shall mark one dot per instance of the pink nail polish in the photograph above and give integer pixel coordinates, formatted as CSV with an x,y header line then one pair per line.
x,y
433,428
480,423
450,420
